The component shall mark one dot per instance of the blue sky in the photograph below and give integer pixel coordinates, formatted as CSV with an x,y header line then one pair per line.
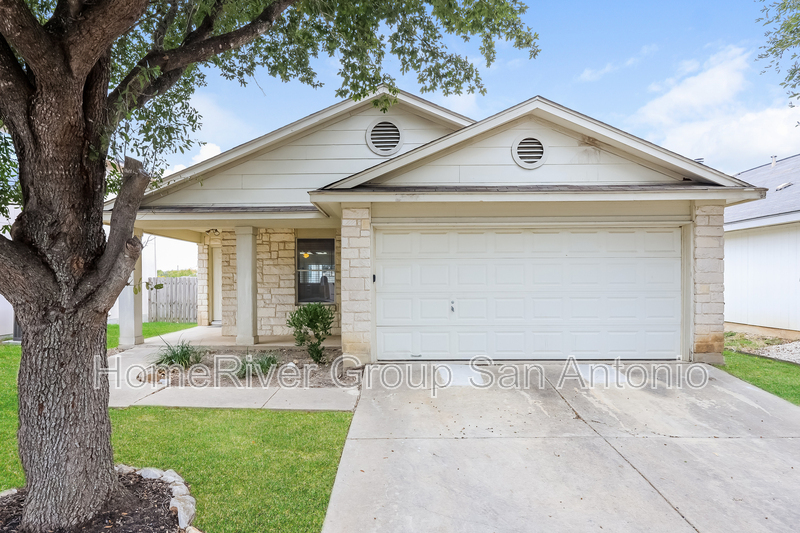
x,y
683,75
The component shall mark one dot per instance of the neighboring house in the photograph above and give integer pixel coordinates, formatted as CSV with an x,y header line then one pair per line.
x,y
762,243
6,311
537,233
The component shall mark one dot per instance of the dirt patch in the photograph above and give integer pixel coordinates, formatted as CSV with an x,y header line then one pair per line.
x,y
750,343
142,507
305,372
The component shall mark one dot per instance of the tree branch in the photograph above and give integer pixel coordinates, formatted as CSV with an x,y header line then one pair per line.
x,y
99,25
122,250
23,273
15,89
163,25
28,37
134,91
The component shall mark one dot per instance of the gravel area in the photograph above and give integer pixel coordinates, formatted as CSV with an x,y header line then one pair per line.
x,y
784,352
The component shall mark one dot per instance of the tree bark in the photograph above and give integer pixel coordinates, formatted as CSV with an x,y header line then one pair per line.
x,y
65,431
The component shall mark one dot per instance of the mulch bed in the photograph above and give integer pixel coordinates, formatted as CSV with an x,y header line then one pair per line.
x,y
142,508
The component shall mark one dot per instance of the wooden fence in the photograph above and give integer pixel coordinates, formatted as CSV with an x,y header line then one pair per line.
x,y
176,301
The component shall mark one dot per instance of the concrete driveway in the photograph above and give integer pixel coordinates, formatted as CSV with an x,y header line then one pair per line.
x,y
724,457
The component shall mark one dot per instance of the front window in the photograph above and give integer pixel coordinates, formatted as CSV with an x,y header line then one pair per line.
x,y
316,270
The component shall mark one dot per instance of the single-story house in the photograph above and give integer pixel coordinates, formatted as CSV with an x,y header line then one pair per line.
x,y
762,271
536,233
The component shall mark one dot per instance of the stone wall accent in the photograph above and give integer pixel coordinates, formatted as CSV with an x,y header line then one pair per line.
x,y
275,271
229,306
203,284
709,300
276,275
356,276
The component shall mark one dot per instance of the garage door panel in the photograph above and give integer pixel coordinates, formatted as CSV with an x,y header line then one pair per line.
x,y
539,294
433,276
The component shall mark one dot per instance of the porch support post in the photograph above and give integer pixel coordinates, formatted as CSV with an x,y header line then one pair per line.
x,y
709,279
130,306
357,282
246,286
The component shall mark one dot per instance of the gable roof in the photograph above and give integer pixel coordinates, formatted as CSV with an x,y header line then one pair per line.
x,y
608,137
296,130
772,209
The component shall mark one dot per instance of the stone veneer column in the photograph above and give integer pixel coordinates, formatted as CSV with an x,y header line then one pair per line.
x,y
246,299
203,284
356,276
709,300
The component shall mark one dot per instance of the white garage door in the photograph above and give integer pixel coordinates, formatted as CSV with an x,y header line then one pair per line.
x,y
528,293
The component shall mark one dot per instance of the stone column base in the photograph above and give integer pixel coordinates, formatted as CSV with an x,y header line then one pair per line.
x,y
710,358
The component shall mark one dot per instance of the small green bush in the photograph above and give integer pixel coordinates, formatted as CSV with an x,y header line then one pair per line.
x,y
312,325
262,361
182,354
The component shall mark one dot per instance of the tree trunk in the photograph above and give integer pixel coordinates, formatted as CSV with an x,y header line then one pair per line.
x,y
62,305
65,431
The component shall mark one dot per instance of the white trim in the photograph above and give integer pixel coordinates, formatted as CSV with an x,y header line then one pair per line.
x,y
527,223
718,193
687,289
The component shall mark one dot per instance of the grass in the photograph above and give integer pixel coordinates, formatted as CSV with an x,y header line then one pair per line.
x,y
778,377
149,329
10,467
250,470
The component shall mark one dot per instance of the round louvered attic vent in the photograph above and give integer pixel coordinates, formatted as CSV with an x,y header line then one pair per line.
x,y
384,137
529,152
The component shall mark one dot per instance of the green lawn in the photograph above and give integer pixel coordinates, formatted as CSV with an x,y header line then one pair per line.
x,y
149,329
250,470
778,377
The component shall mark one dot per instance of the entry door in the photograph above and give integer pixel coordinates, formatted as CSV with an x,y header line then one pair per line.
x,y
528,293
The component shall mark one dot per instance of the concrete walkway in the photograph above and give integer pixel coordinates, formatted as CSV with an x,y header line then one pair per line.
x,y
212,336
722,458
126,392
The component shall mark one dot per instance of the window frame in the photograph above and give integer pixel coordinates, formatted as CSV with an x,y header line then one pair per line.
x,y
297,240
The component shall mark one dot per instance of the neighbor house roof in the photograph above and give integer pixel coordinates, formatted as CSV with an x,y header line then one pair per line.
x,y
610,138
780,206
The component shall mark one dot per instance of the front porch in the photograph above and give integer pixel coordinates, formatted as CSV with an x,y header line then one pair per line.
x,y
212,337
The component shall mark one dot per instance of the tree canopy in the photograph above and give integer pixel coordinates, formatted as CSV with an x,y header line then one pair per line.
x,y
782,51
172,45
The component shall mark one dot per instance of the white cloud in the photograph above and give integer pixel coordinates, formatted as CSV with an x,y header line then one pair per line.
x,y
706,115
207,151
595,74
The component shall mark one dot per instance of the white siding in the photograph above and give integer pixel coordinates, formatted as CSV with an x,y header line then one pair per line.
x,y
762,276
569,161
284,175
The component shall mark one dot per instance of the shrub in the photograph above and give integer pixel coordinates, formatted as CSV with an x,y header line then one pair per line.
x,y
262,361
312,325
182,354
